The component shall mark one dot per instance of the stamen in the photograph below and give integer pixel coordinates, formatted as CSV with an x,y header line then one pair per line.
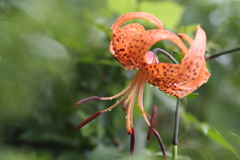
x,y
152,121
105,98
89,119
160,143
117,103
140,102
129,119
120,93
87,99
131,98
132,141
128,89
124,105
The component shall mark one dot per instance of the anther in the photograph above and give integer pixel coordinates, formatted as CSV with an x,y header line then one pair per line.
x,y
132,141
152,121
89,119
87,99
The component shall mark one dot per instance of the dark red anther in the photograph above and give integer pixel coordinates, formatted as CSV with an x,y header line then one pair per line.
x,y
132,141
152,121
160,143
87,99
89,119
124,105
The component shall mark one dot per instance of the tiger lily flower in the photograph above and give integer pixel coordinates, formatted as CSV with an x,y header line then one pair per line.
x,y
130,46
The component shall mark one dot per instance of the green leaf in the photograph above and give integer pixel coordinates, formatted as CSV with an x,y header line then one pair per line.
x,y
192,95
237,138
44,46
105,29
103,153
178,56
119,6
189,118
215,135
167,11
208,131
188,30
179,157
107,62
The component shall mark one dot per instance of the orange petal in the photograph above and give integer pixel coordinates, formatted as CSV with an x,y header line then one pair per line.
x,y
140,44
119,43
181,79
186,38
121,36
143,15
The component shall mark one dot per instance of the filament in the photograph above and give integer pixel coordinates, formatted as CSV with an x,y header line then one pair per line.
x,y
119,94
140,103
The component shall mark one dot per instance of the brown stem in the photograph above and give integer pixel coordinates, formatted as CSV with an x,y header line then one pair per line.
x,y
221,53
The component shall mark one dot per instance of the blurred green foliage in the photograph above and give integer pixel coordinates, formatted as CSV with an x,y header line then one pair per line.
x,y
53,53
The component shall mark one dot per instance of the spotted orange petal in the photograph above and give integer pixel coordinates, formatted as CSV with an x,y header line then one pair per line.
x,y
119,43
181,79
140,44
121,36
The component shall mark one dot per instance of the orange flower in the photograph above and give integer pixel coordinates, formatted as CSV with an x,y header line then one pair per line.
x,y
130,45
178,79
119,46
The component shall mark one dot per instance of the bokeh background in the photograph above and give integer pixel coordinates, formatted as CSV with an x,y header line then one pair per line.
x,y
56,52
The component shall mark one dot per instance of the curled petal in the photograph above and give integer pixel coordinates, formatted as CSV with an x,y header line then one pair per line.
x,y
186,38
121,36
181,79
119,43
140,44
143,15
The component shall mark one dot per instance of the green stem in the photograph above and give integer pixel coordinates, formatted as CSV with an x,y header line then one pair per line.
x,y
175,135
174,152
